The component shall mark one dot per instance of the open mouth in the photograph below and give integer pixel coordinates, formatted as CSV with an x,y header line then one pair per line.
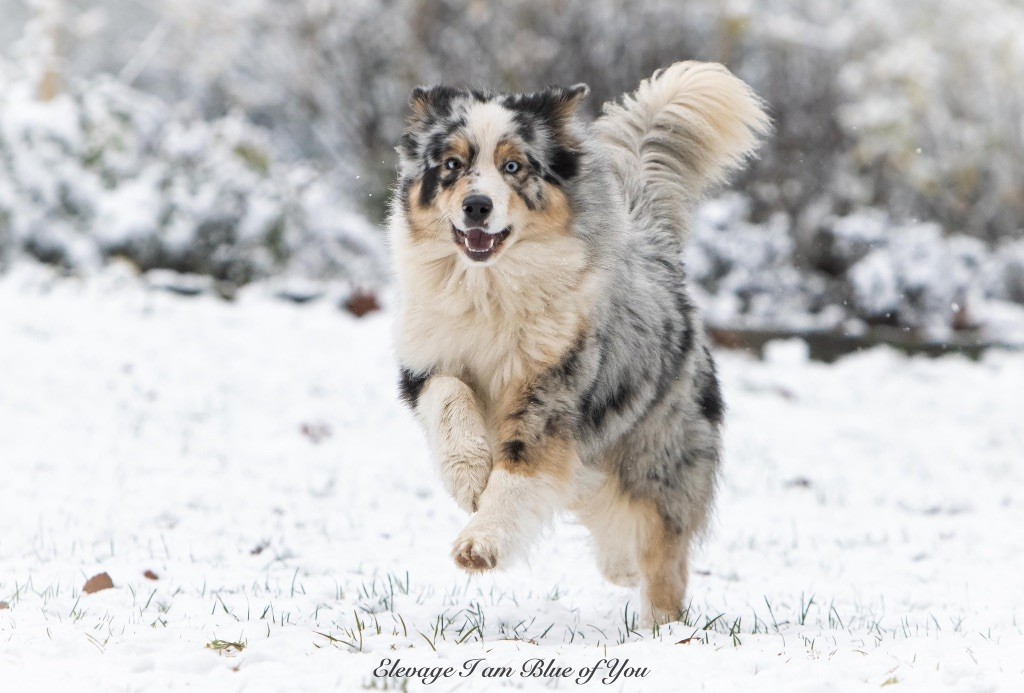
x,y
478,244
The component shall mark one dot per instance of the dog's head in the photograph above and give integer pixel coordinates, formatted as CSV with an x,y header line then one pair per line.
x,y
481,172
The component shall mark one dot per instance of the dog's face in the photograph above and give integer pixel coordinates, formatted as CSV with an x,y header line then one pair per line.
x,y
482,172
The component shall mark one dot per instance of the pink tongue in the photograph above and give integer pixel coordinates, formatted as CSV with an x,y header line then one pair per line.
x,y
476,239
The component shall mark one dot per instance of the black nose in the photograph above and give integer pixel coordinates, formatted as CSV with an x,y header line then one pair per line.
x,y
476,207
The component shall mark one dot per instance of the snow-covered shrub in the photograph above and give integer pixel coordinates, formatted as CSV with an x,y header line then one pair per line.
x,y
833,244
915,279
881,272
1006,275
103,170
747,270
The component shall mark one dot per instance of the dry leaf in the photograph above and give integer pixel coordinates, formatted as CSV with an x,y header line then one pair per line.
x,y
4,605
150,575
97,583
361,303
316,432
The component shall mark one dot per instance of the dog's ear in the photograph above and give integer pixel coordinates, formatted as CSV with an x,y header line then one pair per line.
x,y
419,100
555,105
434,100
570,99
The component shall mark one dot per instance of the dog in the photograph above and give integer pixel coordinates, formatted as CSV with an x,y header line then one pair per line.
x,y
545,337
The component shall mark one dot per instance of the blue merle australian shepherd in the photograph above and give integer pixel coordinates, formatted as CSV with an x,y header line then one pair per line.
x,y
546,340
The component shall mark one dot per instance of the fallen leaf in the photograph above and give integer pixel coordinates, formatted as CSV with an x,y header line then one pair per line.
x,y
361,302
150,575
97,583
316,432
785,392
4,605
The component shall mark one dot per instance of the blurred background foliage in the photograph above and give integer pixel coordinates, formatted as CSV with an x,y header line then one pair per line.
x,y
253,138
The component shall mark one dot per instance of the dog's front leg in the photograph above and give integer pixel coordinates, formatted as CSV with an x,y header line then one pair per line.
x,y
448,410
535,461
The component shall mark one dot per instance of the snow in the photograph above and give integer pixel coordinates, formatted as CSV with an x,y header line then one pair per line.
x,y
255,456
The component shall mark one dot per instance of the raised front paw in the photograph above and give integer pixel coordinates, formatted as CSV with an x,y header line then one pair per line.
x,y
475,552
465,472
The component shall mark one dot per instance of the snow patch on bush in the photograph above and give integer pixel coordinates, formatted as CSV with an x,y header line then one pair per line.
x,y
103,170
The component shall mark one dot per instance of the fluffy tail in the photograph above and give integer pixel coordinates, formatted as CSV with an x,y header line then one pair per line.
x,y
684,129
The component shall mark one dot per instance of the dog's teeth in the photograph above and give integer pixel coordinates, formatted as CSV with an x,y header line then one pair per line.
x,y
477,243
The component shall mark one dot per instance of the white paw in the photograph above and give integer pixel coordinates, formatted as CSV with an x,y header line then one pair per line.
x,y
476,551
464,473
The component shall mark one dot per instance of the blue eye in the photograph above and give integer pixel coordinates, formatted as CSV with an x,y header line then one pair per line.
x,y
452,163
511,166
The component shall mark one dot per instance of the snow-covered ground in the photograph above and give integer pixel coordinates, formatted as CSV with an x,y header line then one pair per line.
x,y
254,457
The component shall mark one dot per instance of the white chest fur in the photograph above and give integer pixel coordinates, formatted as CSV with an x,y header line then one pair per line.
x,y
492,326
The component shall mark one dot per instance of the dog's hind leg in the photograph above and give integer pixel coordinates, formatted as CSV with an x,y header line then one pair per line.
x,y
612,521
664,556
636,544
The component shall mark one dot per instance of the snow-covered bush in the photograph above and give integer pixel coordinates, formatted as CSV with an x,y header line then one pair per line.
x,y
1005,271
914,277
877,272
747,269
102,170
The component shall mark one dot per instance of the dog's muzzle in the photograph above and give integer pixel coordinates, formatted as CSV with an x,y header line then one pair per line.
x,y
478,243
